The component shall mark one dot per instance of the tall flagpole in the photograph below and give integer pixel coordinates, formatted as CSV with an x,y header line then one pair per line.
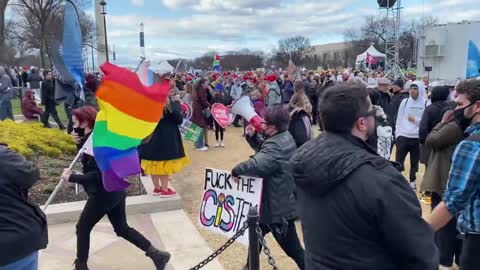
x,y
142,40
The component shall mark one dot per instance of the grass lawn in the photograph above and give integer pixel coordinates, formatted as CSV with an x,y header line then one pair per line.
x,y
16,104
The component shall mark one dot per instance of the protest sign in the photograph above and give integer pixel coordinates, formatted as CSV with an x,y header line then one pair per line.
x,y
190,131
221,114
225,203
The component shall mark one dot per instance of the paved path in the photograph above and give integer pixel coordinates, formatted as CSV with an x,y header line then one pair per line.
x,y
170,230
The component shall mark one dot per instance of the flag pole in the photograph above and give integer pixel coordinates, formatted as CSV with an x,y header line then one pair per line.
x,y
142,59
59,185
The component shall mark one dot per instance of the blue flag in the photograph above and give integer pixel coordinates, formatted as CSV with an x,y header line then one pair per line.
x,y
67,57
473,61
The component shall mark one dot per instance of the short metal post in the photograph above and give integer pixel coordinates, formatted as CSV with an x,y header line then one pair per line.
x,y
253,241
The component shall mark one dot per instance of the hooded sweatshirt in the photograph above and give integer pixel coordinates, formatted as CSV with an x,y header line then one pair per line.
x,y
357,210
415,108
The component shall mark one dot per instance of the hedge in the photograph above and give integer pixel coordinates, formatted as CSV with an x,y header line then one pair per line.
x,y
32,139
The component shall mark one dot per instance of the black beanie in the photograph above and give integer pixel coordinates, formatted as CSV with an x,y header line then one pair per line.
x,y
400,83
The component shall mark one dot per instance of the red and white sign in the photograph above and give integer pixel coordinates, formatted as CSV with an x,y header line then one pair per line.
x,y
222,115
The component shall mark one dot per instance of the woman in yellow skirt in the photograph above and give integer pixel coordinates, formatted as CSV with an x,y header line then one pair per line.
x,y
164,154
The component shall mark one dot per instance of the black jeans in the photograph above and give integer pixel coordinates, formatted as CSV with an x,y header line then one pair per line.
x,y
470,259
218,131
287,238
50,109
68,112
93,212
447,238
408,145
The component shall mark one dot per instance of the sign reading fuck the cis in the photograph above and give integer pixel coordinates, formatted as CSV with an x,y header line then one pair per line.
x,y
226,202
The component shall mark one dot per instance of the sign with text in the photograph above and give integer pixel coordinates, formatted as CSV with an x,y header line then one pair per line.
x,y
190,131
225,202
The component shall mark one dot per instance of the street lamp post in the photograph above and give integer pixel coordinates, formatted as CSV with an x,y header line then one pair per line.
x,y
103,3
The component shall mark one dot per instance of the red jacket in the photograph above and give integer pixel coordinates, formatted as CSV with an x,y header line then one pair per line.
x,y
29,107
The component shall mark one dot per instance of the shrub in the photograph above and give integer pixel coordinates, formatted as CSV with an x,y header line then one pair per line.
x,y
31,139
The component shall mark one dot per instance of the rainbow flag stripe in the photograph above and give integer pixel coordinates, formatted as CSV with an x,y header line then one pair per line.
x,y
129,112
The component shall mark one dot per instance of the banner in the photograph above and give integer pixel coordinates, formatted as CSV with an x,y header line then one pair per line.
x,y
190,131
226,203
473,61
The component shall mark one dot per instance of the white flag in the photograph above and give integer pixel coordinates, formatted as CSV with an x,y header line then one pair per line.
x,y
88,146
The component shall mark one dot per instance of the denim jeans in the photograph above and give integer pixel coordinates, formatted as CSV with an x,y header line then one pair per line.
x,y
28,263
6,110
200,142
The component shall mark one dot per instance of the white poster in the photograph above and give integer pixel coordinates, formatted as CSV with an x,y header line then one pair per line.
x,y
225,202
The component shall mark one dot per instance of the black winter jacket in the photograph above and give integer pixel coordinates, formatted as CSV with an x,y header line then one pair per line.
x,y
23,226
432,116
48,93
300,127
395,102
271,162
357,210
166,141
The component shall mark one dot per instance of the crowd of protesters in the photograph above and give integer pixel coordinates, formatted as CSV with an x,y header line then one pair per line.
x,y
356,208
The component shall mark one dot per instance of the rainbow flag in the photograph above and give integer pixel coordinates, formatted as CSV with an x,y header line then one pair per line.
x,y
129,112
216,63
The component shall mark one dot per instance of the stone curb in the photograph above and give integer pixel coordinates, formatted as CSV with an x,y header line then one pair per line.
x,y
143,204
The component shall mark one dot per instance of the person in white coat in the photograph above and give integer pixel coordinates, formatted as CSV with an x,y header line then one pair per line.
x,y
407,128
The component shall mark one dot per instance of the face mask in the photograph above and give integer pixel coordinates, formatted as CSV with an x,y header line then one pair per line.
x,y
80,131
460,118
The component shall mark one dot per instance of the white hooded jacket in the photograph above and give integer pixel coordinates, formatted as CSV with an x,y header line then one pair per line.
x,y
415,108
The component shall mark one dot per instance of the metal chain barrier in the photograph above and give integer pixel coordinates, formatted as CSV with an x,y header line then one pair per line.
x,y
266,250
222,248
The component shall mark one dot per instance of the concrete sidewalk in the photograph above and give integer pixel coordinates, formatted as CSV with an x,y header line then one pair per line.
x,y
172,231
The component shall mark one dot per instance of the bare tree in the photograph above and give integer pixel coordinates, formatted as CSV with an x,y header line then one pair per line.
x,y
39,20
374,30
3,7
292,49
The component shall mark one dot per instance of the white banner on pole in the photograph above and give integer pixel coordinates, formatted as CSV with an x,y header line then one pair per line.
x,y
225,203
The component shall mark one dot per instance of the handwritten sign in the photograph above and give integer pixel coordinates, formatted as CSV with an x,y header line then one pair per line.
x,y
221,114
225,203
190,131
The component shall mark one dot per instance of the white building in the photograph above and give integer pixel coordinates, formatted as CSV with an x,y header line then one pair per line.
x,y
444,49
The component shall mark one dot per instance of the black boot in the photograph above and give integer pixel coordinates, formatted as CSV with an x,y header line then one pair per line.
x,y
159,258
80,265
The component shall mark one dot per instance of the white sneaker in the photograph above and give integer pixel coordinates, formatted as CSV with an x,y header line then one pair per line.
x,y
217,144
222,144
413,185
203,149
441,267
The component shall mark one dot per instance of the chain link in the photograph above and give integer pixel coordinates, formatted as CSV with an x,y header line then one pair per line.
x,y
222,248
266,250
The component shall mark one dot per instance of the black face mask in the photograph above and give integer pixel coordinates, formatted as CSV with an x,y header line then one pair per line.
x,y
460,118
80,131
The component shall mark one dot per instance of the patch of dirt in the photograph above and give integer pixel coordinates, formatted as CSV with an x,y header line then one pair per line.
x,y
50,171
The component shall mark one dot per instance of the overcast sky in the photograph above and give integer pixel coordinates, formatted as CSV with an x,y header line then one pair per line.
x,y
189,28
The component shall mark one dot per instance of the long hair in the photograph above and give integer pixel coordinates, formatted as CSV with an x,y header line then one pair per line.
x,y
300,102
198,87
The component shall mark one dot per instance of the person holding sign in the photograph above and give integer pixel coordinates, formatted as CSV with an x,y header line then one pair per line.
x,y
100,202
274,148
164,154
